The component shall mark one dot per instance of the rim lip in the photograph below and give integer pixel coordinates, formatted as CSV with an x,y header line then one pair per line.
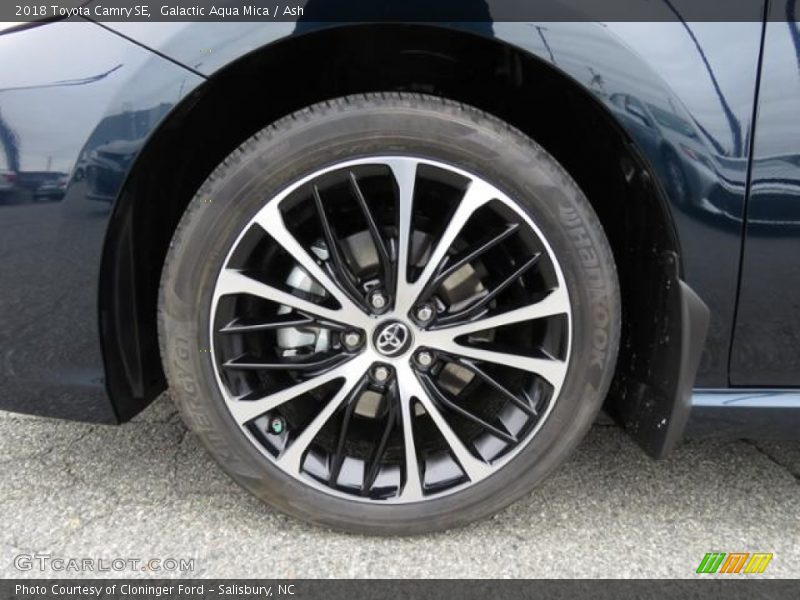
x,y
497,465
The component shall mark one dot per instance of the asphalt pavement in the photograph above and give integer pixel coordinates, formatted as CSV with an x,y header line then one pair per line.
x,y
147,490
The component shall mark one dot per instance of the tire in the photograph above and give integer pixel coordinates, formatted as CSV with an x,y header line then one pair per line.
x,y
554,215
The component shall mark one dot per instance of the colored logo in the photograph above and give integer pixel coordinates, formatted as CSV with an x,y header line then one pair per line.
x,y
735,562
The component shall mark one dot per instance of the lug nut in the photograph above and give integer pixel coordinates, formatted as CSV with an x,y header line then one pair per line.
x,y
381,373
424,358
424,313
378,300
351,340
320,250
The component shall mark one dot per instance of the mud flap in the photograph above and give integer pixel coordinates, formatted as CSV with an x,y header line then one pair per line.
x,y
653,403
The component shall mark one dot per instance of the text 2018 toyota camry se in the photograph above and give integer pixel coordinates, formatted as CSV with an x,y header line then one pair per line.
x,y
391,272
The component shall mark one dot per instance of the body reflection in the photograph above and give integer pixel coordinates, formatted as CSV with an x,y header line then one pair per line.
x,y
111,149
684,160
766,348
66,114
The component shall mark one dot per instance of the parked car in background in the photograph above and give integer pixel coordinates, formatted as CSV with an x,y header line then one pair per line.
x,y
51,190
106,168
7,181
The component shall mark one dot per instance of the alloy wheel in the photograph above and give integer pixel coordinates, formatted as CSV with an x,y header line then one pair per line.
x,y
390,329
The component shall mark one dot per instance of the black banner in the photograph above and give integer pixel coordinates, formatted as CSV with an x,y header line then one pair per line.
x,y
390,10
733,588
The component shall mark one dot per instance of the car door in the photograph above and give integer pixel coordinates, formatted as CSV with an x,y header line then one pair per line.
x,y
766,346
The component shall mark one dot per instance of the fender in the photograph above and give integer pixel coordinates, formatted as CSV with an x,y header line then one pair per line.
x,y
110,94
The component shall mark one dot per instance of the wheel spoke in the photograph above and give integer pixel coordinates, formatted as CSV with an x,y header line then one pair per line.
x,y
477,194
523,405
412,489
442,399
271,221
231,281
377,239
291,458
449,267
337,460
342,276
293,319
484,301
244,325
244,411
317,363
551,369
473,467
374,464
405,174
555,303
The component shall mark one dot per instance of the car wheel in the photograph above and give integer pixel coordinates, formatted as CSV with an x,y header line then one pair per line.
x,y
678,186
389,313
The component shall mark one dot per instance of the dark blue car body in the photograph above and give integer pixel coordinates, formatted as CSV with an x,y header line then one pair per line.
x,y
712,109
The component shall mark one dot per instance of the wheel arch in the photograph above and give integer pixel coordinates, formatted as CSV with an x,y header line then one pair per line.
x,y
501,79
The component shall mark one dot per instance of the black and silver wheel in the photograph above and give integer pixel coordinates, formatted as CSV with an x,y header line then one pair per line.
x,y
389,314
